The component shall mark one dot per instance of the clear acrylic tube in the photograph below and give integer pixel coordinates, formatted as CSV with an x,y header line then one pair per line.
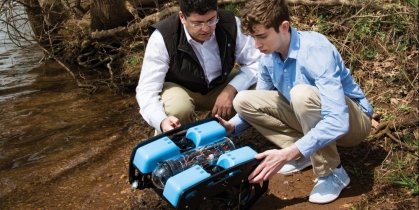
x,y
202,156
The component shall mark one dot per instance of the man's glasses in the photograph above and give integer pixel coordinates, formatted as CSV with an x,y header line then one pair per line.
x,y
202,24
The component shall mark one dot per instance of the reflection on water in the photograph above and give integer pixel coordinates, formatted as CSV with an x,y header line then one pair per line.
x,y
61,148
16,61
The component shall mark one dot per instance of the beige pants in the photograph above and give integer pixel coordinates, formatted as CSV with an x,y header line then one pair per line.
x,y
182,103
284,123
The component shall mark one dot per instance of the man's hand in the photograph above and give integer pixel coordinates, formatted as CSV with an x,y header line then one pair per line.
x,y
272,161
169,123
229,126
224,102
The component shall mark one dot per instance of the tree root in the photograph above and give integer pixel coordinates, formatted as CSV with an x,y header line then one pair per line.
x,y
385,128
85,64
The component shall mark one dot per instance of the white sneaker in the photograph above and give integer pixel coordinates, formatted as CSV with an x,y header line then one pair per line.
x,y
328,188
295,165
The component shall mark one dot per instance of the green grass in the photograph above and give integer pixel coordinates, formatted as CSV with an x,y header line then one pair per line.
x,y
404,175
414,3
134,60
404,108
386,98
411,140
233,8
359,172
387,117
322,24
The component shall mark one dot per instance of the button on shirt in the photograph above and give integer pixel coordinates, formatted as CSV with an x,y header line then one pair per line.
x,y
312,60
156,65
208,55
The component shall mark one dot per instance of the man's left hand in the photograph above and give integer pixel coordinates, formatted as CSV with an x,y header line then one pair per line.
x,y
224,103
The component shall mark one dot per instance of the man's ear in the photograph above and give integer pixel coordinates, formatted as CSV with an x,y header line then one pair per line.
x,y
284,26
182,17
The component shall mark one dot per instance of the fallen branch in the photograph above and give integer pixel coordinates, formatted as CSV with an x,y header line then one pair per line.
x,y
133,29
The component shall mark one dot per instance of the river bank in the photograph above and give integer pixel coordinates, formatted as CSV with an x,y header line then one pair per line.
x,y
63,148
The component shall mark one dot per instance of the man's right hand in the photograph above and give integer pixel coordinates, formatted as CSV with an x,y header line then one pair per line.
x,y
169,123
229,126
272,161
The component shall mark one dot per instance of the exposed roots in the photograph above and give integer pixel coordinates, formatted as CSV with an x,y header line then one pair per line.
x,y
387,127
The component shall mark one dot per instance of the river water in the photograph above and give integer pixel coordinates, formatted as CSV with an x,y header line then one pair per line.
x,y
15,61
60,147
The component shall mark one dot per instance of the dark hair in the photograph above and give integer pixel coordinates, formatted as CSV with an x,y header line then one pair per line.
x,y
269,13
201,7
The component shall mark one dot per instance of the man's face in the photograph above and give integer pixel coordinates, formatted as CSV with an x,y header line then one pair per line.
x,y
268,41
200,27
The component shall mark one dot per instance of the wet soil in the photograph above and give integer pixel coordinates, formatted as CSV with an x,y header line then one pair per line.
x,y
62,148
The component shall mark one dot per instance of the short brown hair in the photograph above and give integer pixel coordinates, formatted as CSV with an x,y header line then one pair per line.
x,y
269,13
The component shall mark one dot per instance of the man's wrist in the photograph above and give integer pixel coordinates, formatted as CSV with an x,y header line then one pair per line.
x,y
230,90
293,152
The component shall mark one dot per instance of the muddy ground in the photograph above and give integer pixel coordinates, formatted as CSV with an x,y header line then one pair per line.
x,y
62,148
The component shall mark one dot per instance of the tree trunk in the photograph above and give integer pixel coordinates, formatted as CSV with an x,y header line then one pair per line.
x,y
54,12
34,11
107,14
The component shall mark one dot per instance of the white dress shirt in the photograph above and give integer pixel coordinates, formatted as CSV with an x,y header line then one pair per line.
x,y
156,65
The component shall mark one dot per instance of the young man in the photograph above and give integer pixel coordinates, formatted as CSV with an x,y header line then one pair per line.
x,y
305,101
188,65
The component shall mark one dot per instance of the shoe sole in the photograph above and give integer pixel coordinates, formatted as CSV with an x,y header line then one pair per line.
x,y
297,169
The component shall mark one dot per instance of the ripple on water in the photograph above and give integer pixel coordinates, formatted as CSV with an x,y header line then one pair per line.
x,y
17,61
25,160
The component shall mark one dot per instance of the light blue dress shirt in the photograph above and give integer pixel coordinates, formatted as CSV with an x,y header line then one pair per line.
x,y
312,60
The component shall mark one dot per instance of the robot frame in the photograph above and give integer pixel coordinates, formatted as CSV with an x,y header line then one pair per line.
x,y
225,181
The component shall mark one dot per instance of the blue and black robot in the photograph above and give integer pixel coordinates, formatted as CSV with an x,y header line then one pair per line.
x,y
194,163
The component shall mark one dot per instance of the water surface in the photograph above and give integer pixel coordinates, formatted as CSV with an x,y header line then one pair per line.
x,y
17,56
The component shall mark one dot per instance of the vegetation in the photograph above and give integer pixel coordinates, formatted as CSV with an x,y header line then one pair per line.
x,y
377,39
380,46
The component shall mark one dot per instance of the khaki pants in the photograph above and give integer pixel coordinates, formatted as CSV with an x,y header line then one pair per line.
x,y
284,123
182,103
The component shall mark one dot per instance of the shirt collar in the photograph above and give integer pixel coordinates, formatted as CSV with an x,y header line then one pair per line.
x,y
294,44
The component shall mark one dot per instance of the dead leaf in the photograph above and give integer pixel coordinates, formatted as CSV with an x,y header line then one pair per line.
x,y
387,64
392,58
394,101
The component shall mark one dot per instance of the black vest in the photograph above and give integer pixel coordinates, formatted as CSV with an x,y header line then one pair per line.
x,y
184,66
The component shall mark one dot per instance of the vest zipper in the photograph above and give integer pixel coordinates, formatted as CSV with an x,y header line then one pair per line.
x,y
188,52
